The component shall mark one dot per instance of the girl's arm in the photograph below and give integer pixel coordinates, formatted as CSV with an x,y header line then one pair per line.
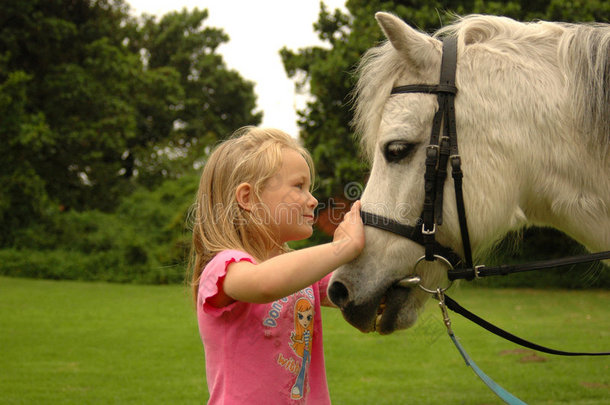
x,y
288,273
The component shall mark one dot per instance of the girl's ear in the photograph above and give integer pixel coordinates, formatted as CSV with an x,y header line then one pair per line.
x,y
244,196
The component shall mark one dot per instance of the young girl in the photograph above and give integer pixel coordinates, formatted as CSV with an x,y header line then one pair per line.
x,y
258,304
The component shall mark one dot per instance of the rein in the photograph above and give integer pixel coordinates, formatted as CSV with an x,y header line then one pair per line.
x,y
442,151
505,269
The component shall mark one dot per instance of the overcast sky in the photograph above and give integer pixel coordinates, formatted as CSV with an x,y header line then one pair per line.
x,y
258,29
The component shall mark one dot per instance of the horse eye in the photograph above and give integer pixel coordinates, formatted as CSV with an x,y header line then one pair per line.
x,y
395,151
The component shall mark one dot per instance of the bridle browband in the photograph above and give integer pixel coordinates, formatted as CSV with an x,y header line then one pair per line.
x,y
442,150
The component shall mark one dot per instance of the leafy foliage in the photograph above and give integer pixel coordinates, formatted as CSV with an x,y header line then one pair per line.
x,y
94,101
145,240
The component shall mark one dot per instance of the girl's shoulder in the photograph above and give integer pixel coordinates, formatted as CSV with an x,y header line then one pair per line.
x,y
211,296
226,257
217,267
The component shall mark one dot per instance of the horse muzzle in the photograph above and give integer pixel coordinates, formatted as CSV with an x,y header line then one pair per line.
x,y
384,312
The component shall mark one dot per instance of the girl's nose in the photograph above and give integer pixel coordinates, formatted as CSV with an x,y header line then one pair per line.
x,y
312,202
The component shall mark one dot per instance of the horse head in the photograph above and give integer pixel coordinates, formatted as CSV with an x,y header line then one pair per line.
x,y
530,149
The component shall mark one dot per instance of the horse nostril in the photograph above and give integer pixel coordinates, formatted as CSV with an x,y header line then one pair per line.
x,y
338,294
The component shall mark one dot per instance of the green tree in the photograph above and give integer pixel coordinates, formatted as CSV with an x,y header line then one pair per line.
x,y
213,101
94,101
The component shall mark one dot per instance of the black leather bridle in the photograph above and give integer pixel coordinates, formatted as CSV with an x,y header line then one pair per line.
x,y
442,150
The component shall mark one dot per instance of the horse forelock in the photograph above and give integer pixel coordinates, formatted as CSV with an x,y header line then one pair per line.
x,y
377,71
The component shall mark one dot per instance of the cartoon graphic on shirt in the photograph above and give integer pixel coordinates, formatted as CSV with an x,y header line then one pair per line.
x,y
301,341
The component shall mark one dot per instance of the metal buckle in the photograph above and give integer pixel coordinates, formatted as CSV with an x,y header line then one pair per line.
x,y
456,161
425,232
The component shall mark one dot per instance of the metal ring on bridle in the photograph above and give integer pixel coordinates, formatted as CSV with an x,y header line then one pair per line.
x,y
445,261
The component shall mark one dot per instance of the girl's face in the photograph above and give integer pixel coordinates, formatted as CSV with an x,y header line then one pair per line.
x,y
288,199
305,317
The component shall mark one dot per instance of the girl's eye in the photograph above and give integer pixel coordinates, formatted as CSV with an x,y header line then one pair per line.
x,y
300,316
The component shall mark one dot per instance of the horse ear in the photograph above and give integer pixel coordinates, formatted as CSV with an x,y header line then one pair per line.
x,y
419,49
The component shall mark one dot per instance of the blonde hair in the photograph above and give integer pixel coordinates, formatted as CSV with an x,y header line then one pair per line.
x,y
251,155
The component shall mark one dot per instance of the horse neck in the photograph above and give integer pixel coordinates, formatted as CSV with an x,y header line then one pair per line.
x,y
570,191
551,172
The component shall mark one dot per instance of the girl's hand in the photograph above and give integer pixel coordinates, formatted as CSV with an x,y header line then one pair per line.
x,y
349,235
285,274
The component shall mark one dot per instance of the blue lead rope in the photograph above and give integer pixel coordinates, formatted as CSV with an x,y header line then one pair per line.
x,y
506,396
498,390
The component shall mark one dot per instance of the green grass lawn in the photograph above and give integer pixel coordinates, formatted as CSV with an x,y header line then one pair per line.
x,y
96,343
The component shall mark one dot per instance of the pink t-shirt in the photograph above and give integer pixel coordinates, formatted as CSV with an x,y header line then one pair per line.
x,y
262,353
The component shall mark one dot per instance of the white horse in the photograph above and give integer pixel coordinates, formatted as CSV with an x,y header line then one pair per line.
x,y
533,125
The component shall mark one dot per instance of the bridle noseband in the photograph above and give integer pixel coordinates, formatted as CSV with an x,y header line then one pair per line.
x,y
442,149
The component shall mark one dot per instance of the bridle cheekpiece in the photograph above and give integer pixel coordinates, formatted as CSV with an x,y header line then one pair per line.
x,y
442,149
